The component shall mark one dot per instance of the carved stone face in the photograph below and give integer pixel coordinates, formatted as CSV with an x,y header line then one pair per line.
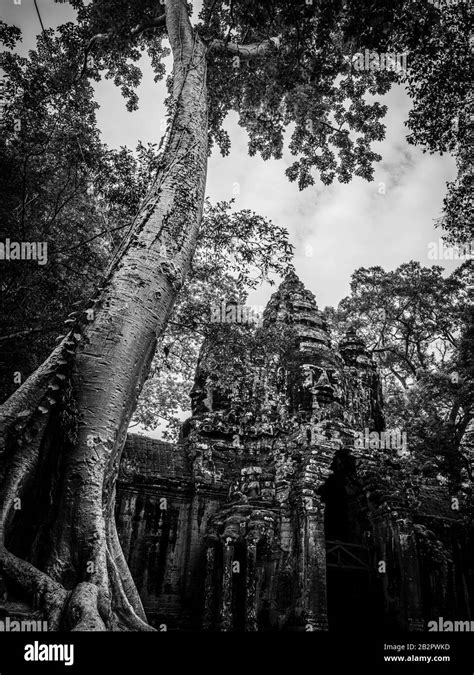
x,y
202,399
323,378
198,395
325,386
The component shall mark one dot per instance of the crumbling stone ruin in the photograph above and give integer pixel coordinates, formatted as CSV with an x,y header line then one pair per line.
x,y
268,515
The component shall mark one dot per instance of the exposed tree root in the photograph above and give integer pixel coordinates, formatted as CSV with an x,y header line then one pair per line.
x,y
125,616
86,608
82,611
109,602
45,594
118,566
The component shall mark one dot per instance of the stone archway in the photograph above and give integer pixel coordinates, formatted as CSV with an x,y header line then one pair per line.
x,y
354,589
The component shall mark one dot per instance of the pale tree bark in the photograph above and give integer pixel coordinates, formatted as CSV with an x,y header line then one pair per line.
x,y
67,423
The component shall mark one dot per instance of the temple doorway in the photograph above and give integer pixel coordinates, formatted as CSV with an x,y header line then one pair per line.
x,y
354,591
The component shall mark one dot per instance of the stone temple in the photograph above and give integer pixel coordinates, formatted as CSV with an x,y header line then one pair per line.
x,y
268,516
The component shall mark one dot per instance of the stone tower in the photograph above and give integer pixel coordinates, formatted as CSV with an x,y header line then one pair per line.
x,y
268,515
266,548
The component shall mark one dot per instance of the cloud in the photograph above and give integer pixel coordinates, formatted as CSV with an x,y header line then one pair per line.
x,y
339,228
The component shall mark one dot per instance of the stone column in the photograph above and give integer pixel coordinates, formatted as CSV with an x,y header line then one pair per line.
x,y
411,586
398,563
314,581
210,598
225,613
251,586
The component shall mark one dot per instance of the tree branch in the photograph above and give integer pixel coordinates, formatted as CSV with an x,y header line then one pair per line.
x,y
401,379
401,356
246,51
156,22
3,338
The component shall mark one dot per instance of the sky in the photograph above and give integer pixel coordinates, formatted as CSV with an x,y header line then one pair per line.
x,y
334,229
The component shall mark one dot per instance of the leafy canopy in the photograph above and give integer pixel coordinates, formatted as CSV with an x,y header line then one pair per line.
x,y
298,85
418,324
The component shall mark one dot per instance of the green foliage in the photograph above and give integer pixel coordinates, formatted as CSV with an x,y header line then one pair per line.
x,y
439,66
46,167
411,317
304,90
418,325
439,83
458,208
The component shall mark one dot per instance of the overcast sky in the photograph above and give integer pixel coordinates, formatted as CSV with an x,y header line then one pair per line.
x,y
334,229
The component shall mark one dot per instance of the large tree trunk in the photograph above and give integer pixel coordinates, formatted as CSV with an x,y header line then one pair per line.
x,y
63,431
